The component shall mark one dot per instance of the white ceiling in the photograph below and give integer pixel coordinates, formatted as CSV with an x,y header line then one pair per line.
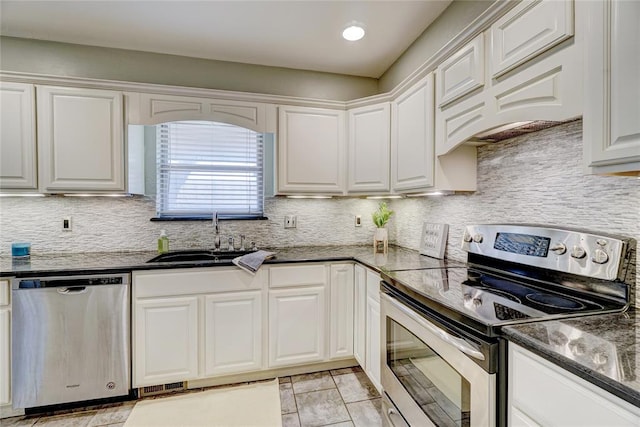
x,y
293,34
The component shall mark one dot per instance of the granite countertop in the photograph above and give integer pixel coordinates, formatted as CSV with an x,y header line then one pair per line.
x,y
397,258
602,349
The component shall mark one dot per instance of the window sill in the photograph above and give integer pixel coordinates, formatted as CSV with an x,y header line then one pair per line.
x,y
209,218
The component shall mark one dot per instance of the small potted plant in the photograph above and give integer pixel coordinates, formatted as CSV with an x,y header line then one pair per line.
x,y
380,218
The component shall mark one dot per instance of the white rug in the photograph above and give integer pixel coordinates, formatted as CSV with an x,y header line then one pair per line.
x,y
250,405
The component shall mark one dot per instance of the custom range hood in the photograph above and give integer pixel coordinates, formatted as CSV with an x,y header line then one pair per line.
x,y
511,130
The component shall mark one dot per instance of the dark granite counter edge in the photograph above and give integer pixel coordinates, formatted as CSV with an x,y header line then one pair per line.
x,y
612,386
167,266
181,264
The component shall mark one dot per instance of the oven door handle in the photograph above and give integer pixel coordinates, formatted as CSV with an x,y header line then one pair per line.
x,y
459,343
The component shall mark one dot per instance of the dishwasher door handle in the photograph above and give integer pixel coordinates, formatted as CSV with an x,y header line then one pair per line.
x,y
72,290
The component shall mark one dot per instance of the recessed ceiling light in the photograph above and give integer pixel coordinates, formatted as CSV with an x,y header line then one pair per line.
x,y
353,32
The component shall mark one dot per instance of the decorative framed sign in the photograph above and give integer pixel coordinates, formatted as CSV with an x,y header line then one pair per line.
x,y
433,239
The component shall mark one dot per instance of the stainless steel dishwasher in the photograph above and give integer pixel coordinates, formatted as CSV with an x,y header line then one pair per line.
x,y
70,339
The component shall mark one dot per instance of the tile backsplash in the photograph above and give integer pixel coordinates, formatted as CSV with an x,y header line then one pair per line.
x,y
536,178
107,224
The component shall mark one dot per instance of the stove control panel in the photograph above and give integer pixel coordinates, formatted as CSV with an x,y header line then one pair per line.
x,y
566,250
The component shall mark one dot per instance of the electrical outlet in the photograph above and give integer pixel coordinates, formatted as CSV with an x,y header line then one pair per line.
x,y
66,223
358,220
290,221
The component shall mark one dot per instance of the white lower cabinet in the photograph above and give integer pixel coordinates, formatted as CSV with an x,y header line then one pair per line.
x,y
543,394
195,323
296,325
341,311
166,331
373,342
233,332
191,324
359,314
366,328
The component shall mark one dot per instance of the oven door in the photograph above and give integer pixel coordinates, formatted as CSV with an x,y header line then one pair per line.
x,y
428,372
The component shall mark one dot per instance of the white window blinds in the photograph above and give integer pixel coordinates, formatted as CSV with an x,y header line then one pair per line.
x,y
206,167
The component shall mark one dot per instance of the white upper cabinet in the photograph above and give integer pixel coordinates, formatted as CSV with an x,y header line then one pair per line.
x,y
151,109
612,86
461,73
18,166
412,157
369,142
80,139
535,74
527,30
311,150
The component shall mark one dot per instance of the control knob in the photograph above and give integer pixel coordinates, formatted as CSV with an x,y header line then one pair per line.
x,y
467,237
578,252
477,238
477,302
559,248
600,256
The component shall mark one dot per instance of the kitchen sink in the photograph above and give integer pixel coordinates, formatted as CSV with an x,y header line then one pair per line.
x,y
199,255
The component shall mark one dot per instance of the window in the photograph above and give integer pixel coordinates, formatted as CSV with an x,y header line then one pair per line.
x,y
206,167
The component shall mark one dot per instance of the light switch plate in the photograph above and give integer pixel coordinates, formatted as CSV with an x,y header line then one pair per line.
x,y
433,239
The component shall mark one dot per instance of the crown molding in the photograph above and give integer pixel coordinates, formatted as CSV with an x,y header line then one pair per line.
x,y
481,23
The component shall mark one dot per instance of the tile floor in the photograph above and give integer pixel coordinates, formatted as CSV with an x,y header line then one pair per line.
x,y
340,398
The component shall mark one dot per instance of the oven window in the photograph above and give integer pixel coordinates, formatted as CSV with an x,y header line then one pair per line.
x,y
440,391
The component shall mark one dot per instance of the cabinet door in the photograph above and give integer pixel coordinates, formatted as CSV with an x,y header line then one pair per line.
x,y
17,137
373,350
612,88
165,345
462,73
312,150
341,311
233,332
360,311
412,136
80,139
373,346
540,392
527,30
296,326
369,145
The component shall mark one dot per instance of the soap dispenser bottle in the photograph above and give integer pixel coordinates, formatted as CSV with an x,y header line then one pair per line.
x,y
163,242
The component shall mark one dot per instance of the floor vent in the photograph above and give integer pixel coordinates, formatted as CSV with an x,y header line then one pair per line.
x,y
161,389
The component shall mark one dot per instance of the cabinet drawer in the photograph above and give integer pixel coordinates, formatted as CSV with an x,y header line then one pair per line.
x,y
193,281
528,30
298,275
4,292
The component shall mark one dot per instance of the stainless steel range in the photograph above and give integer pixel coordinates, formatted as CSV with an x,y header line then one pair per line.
x,y
443,358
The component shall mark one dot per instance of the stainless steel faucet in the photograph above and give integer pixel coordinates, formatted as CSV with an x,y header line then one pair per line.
x,y
216,237
215,222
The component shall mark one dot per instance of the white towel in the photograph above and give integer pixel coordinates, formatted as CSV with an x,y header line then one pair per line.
x,y
252,262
